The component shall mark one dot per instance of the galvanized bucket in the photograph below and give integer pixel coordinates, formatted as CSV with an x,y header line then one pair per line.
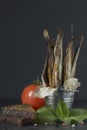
x,y
52,100
68,98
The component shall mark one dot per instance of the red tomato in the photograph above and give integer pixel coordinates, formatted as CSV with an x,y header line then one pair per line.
x,y
28,98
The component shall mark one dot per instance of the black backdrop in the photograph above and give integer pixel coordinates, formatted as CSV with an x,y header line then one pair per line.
x,y
22,46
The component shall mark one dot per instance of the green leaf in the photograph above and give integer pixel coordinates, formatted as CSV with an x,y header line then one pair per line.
x,y
78,119
78,111
66,120
62,110
46,114
61,114
76,116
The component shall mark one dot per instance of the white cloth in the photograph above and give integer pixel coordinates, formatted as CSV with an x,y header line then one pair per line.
x,y
71,84
43,91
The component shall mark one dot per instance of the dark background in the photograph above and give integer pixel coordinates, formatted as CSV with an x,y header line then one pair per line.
x,y
23,48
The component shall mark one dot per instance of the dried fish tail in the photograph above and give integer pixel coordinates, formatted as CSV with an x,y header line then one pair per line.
x,y
50,60
44,76
76,58
68,59
58,57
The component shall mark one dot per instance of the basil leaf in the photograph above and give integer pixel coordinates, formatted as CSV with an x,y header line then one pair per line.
x,y
62,110
76,115
60,114
67,120
46,114
78,111
78,119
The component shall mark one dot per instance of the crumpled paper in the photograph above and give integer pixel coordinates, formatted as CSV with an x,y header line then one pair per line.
x,y
71,84
43,91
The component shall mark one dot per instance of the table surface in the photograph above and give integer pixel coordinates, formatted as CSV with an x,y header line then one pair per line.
x,y
8,126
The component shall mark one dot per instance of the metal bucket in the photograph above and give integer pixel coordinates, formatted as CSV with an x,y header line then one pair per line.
x,y
68,98
52,100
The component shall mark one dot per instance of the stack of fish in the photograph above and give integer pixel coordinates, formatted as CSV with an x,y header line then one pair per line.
x,y
59,66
